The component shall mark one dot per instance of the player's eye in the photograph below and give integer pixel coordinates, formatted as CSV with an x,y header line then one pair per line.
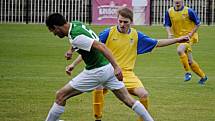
x,y
120,21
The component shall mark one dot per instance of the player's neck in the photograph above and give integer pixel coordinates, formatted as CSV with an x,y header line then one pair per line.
x,y
179,8
124,32
66,28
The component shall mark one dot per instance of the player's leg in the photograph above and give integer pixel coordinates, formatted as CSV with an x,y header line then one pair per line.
x,y
142,94
125,97
98,102
85,81
136,88
118,88
61,96
196,68
181,50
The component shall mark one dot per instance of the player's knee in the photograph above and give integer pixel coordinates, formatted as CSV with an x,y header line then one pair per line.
x,y
190,62
60,97
180,51
144,95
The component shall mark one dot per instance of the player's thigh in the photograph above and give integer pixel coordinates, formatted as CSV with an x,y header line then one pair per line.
x,y
113,83
181,47
109,80
140,92
66,92
131,80
87,80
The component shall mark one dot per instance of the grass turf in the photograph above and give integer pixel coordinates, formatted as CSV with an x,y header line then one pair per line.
x,y
32,69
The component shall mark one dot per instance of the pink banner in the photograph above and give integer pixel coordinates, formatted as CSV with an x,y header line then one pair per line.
x,y
104,11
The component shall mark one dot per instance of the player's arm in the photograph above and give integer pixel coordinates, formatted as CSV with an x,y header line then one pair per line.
x,y
147,44
194,30
167,25
102,48
166,42
193,17
169,32
68,54
70,67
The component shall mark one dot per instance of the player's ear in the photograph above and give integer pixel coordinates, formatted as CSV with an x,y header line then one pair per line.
x,y
55,26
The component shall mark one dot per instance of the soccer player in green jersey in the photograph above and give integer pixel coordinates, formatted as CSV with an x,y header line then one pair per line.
x,y
101,68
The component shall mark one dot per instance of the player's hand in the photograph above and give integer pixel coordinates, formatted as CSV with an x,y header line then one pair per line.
x,y
69,69
68,55
183,39
118,73
190,35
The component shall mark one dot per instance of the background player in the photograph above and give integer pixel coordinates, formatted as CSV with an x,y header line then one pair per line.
x,y
179,21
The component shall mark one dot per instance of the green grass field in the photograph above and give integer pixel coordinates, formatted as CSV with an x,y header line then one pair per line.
x,y
32,67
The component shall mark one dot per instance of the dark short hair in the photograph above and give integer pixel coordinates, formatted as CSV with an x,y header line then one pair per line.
x,y
55,19
125,12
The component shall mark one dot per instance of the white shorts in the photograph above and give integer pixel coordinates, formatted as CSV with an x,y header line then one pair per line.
x,y
89,80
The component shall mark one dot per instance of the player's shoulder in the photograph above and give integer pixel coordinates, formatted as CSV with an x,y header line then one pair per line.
x,y
76,23
77,29
170,9
112,30
190,10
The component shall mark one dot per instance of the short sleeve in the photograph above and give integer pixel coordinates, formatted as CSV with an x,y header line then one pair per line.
x,y
167,21
83,42
104,35
193,16
145,43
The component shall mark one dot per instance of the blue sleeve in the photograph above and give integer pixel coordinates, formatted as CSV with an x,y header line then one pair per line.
x,y
145,44
193,16
104,35
167,21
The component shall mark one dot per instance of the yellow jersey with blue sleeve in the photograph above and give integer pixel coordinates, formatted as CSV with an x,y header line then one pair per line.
x,y
125,47
182,22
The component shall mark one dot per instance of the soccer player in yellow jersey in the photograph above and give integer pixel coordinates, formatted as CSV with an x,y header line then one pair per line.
x,y
125,44
179,21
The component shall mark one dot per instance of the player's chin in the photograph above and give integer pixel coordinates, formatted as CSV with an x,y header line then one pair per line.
x,y
61,36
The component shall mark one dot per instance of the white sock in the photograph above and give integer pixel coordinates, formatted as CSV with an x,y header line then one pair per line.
x,y
55,112
141,111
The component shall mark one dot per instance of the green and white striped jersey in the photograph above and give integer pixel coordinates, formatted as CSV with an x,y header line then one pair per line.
x,y
81,38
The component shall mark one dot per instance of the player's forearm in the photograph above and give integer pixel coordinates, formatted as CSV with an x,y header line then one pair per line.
x,y
77,61
166,42
194,30
169,32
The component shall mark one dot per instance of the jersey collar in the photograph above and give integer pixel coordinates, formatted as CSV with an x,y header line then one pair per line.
x,y
70,28
121,32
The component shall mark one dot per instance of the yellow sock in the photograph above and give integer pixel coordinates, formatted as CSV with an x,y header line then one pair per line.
x,y
184,61
98,102
145,102
195,67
